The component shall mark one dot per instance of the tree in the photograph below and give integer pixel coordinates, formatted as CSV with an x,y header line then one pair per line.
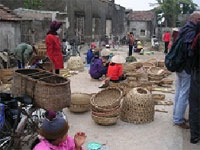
x,y
171,9
33,4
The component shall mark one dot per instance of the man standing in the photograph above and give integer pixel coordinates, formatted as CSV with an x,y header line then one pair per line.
x,y
166,39
187,33
131,41
194,99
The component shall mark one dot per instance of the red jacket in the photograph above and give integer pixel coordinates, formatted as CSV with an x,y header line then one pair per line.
x,y
166,37
115,71
54,53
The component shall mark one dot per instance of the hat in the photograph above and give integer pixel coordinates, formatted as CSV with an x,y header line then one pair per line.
x,y
55,128
107,46
55,25
118,59
93,45
105,52
175,29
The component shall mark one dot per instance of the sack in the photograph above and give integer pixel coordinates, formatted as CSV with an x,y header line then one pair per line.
x,y
175,60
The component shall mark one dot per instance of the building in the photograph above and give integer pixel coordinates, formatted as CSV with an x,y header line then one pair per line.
x,y
141,23
88,20
10,32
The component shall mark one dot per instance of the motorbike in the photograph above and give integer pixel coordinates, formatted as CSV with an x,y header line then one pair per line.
x,y
155,44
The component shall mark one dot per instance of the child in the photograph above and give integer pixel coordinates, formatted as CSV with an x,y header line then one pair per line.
x,y
54,135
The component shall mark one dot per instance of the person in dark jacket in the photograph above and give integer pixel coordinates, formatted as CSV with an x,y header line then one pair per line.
x,y
187,33
96,67
90,53
194,98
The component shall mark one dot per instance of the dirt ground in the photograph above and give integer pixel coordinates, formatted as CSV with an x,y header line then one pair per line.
x,y
160,134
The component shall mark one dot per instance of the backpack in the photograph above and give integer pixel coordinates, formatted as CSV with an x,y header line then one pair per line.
x,y
175,60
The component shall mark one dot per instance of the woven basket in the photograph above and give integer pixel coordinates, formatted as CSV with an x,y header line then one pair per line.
x,y
148,65
129,67
80,98
49,91
155,74
138,107
41,49
75,63
161,63
5,75
123,86
105,121
108,98
153,61
113,113
76,108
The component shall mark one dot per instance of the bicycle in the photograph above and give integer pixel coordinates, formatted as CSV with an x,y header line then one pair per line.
x,y
25,125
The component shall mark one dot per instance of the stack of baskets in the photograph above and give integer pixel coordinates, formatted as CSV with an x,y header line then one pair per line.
x,y
106,106
155,74
80,102
138,107
41,49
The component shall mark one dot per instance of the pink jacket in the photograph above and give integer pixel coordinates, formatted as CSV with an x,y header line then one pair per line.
x,y
66,145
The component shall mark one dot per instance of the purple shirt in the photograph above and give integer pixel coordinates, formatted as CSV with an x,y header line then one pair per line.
x,y
96,67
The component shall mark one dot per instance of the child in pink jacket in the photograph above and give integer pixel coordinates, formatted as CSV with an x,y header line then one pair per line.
x,y
53,135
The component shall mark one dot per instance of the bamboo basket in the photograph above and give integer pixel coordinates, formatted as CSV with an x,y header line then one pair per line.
x,y
113,113
148,64
105,121
153,61
5,75
49,91
108,98
80,98
77,108
41,49
138,107
161,63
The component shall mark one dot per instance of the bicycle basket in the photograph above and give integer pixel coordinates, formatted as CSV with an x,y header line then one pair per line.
x,y
2,116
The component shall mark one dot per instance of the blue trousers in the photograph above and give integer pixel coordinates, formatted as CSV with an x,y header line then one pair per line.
x,y
181,96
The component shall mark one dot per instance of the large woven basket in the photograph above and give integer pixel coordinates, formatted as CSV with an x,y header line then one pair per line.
x,y
153,61
112,113
105,121
77,108
5,75
75,63
161,63
108,98
48,90
138,107
129,67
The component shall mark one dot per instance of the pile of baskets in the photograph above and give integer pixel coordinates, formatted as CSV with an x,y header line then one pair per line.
x,y
106,106
41,49
80,102
138,107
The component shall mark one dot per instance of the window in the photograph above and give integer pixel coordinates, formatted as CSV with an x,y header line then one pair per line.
x,y
142,32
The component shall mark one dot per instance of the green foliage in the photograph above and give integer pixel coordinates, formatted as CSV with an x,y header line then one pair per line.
x,y
170,9
33,4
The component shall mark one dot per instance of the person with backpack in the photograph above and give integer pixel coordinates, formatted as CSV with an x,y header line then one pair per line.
x,y
178,60
194,98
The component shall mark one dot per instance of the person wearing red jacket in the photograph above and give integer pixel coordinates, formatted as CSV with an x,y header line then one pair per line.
x,y
166,39
53,45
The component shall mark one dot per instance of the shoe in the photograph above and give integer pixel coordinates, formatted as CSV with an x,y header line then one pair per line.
x,y
183,125
195,140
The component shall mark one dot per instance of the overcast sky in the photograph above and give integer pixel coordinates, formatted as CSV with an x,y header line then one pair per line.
x,y
140,4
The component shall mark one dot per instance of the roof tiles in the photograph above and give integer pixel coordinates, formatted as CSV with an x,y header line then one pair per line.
x,y
7,15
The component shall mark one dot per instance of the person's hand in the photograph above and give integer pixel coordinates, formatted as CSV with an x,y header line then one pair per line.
x,y
79,139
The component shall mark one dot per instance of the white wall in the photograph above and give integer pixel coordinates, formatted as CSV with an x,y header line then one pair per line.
x,y
10,35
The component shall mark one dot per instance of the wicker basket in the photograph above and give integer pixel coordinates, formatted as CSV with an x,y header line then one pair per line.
x,y
153,61
108,98
80,98
138,107
113,113
105,121
5,75
76,108
148,65
48,90
161,63
75,63
41,49
129,67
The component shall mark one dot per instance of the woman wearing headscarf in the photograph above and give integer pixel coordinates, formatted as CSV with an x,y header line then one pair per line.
x,y
53,45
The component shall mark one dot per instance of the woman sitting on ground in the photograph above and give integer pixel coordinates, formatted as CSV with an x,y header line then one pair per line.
x,y
96,67
115,71
54,135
